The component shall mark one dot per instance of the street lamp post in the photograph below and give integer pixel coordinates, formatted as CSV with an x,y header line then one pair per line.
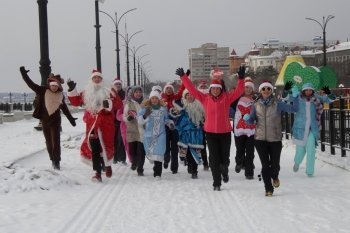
x,y
98,43
139,69
134,51
45,68
127,40
116,24
323,26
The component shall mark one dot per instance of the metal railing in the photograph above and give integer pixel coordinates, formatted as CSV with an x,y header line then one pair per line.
x,y
335,122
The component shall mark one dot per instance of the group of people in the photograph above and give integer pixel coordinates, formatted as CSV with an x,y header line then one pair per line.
x,y
172,125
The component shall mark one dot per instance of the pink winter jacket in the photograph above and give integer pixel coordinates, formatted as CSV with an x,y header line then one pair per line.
x,y
216,109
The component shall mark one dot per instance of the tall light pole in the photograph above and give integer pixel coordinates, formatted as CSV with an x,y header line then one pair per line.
x,y
139,68
44,68
127,40
98,40
116,25
323,26
134,51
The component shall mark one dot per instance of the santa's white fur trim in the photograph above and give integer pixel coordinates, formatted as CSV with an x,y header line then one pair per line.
x,y
215,85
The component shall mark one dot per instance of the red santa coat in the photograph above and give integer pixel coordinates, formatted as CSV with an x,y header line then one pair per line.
x,y
216,109
101,122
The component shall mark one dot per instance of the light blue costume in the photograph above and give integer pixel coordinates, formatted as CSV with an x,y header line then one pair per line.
x,y
154,136
306,127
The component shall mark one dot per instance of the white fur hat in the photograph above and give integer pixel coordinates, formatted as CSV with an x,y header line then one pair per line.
x,y
154,94
157,88
265,84
248,82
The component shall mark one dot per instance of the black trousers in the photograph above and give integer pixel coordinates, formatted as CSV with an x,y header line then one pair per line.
x,y
172,150
157,168
97,160
269,154
204,151
245,153
119,148
137,153
219,154
53,140
192,166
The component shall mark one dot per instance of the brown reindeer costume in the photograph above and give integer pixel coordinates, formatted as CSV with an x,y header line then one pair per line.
x,y
48,106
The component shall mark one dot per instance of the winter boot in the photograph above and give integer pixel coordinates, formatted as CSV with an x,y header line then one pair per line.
x,y
108,171
268,193
276,183
217,188
295,167
238,168
56,165
194,176
97,177
205,167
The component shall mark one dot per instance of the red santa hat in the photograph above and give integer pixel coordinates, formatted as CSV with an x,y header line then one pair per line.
x,y
96,73
266,84
168,85
215,83
216,73
55,80
116,81
248,82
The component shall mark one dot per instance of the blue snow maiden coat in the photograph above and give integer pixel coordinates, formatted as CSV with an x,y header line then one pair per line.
x,y
190,133
307,117
154,136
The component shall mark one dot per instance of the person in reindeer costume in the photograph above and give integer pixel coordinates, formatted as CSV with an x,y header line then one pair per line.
x,y
50,101
189,117
98,144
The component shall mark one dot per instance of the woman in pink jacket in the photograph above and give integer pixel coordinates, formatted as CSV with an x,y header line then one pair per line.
x,y
217,125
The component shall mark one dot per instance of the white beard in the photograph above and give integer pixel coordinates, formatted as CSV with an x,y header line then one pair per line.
x,y
195,111
94,95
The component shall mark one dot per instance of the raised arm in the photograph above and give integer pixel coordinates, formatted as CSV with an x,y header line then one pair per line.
x,y
189,85
35,87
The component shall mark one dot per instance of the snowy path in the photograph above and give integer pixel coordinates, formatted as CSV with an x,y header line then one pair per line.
x,y
38,199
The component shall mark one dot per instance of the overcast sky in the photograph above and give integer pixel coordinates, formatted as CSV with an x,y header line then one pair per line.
x,y
169,27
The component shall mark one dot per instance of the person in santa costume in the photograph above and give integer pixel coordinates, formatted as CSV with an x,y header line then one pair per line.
x,y
50,100
119,147
244,132
217,125
98,144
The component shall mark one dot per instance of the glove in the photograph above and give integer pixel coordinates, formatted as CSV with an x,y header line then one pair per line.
x,y
180,72
147,113
105,104
246,117
188,72
326,90
72,121
288,85
171,126
71,85
23,70
130,118
295,91
241,72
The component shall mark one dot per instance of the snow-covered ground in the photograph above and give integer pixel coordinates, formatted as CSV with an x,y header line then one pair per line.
x,y
35,198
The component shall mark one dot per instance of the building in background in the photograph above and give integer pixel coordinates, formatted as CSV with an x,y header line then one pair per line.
x,y
203,59
235,62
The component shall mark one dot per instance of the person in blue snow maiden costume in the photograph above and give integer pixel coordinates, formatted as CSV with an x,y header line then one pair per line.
x,y
153,115
306,126
189,116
